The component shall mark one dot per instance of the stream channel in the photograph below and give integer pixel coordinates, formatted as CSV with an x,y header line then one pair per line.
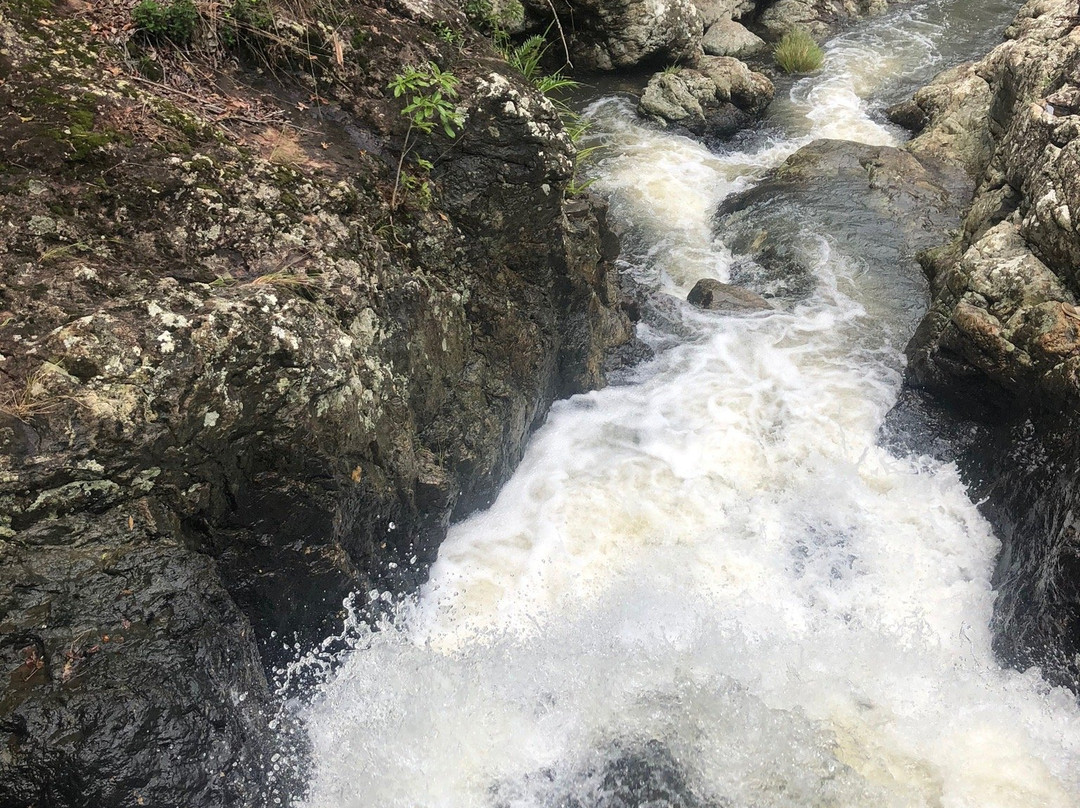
x,y
710,584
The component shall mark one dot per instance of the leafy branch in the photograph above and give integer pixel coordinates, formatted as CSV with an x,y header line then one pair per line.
x,y
430,93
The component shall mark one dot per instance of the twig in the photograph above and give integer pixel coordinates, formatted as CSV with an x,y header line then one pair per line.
x,y
562,34
167,88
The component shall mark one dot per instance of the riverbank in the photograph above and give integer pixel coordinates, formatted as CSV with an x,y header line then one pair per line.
x,y
261,340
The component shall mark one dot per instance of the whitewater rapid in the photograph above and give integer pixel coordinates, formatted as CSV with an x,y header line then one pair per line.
x,y
715,568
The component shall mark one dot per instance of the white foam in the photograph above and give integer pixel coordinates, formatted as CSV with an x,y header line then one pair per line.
x,y
719,557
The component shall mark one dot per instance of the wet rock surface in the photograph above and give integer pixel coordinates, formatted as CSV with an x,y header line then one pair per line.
x,y
234,388
714,295
875,205
1003,312
1001,342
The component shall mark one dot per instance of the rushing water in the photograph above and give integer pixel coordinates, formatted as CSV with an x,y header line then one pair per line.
x,y
710,586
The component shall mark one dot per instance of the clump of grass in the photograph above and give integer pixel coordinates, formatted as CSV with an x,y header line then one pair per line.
x,y
34,397
175,23
797,52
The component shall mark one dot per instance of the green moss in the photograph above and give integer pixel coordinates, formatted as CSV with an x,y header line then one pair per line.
x,y
71,120
192,128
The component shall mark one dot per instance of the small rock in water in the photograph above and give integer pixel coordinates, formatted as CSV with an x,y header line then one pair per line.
x,y
717,296
717,97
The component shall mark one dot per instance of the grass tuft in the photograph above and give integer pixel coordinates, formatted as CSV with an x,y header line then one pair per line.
x,y
797,52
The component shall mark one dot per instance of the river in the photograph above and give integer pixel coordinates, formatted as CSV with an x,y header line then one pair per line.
x,y
709,585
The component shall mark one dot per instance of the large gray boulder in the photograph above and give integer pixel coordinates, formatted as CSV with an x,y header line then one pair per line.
x,y
729,38
717,97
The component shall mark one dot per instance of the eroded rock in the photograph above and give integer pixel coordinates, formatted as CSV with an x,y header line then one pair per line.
x,y
728,38
718,97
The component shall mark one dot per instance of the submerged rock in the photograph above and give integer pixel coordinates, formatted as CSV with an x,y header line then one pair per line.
x,y
715,295
718,97
876,205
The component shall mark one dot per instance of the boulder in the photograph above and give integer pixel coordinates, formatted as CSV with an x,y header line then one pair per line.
x,y
729,38
605,36
818,17
718,97
714,11
714,295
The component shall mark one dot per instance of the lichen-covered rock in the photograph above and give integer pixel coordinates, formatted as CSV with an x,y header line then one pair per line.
x,y
950,118
1000,317
235,386
818,17
1001,341
717,97
996,318
605,35
729,38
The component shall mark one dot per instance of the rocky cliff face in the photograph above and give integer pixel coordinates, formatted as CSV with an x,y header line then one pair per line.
x,y
235,385
1004,316
1002,338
